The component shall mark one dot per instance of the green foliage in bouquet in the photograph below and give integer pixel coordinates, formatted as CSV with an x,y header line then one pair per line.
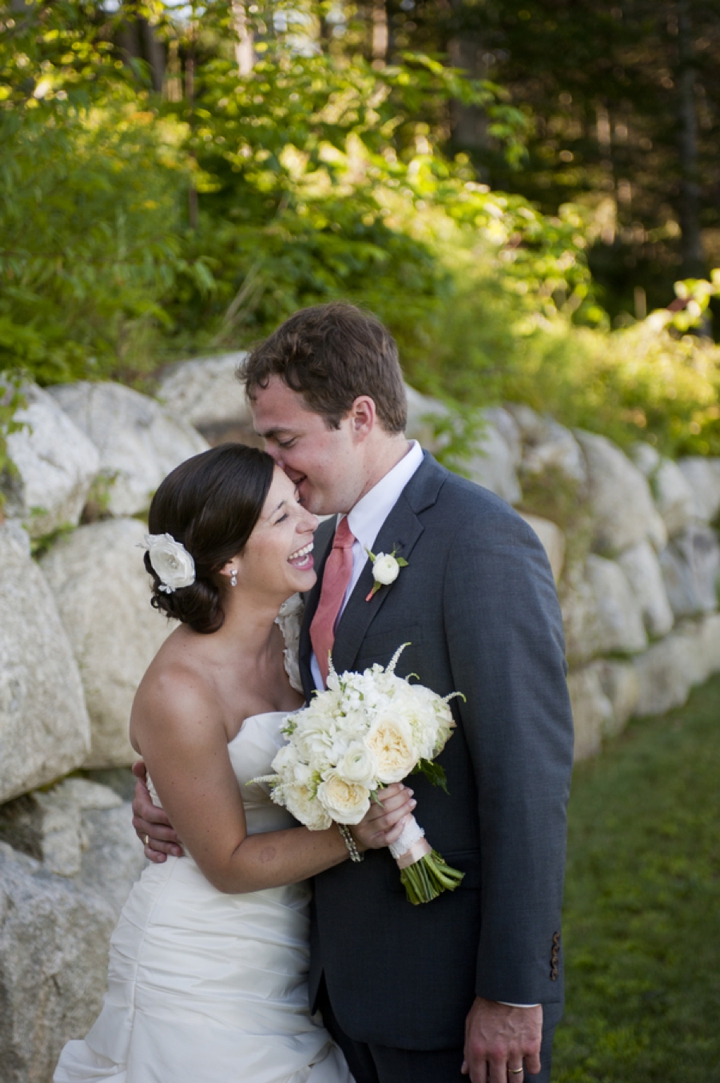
x,y
434,773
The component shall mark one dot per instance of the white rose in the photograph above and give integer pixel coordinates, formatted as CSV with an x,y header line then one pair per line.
x,y
170,561
391,742
301,804
358,765
415,706
445,728
385,569
346,802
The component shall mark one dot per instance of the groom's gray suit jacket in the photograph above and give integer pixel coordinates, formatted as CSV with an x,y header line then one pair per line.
x,y
478,604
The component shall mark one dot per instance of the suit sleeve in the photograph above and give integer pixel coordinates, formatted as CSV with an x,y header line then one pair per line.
x,y
505,641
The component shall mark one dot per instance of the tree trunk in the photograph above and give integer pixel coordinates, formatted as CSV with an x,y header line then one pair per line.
x,y
154,54
190,97
244,46
469,122
380,34
136,39
693,260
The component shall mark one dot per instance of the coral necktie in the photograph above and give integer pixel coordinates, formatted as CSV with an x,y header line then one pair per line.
x,y
336,576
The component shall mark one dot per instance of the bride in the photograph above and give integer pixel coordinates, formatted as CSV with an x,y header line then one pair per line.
x,y
207,974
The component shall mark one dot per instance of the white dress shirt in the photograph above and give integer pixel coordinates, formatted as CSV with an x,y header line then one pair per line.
x,y
366,519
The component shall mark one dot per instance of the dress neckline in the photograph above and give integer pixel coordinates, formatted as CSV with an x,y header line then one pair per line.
x,y
254,718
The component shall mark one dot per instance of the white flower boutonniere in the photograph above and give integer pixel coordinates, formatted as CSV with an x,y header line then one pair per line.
x,y
385,568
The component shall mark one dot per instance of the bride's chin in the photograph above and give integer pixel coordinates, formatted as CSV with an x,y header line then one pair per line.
x,y
304,580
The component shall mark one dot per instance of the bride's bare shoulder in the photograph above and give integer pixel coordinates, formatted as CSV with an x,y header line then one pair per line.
x,y
176,689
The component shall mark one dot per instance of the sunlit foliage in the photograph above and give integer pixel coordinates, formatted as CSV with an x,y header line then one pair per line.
x,y
151,214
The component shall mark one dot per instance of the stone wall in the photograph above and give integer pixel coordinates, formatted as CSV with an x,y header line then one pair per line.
x,y
629,539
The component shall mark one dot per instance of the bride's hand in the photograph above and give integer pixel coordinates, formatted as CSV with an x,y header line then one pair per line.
x,y
383,823
151,824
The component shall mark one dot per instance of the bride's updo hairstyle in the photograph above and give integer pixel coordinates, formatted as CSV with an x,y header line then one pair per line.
x,y
210,503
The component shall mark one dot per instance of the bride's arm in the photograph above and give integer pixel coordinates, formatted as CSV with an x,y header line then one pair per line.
x,y
182,739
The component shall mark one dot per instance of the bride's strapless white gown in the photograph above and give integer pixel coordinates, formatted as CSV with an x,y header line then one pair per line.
x,y
205,987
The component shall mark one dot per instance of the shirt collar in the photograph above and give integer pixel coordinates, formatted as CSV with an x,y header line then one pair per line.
x,y
371,511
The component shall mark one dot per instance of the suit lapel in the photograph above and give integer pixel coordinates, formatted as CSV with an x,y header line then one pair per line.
x,y
323,544
400,531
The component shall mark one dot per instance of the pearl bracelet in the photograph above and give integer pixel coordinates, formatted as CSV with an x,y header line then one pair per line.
x,y
349,841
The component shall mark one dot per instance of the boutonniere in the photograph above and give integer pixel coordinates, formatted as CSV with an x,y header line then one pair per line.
x,y
385,568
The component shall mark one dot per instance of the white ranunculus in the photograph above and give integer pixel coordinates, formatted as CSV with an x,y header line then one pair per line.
x,y
170,561
358,765
385,569
390,740
346,802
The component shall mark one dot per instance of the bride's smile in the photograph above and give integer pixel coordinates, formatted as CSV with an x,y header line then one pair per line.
x,y
302,560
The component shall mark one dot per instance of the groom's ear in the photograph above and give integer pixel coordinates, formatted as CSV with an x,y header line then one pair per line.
x,y
362,416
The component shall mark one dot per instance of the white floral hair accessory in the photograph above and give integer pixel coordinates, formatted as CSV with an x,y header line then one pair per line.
x,y
170,561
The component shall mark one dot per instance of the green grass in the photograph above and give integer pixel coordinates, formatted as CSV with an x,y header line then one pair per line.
x,y
642,912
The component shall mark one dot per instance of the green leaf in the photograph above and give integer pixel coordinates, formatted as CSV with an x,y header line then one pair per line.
x,y
433,772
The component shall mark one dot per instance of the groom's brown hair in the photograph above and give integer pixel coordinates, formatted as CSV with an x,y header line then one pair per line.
x,y
331,354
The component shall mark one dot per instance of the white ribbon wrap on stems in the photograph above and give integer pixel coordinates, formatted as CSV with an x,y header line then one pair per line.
x,y
411,846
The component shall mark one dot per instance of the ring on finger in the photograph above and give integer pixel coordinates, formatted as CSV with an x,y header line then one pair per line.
x,y
516,1071
146,840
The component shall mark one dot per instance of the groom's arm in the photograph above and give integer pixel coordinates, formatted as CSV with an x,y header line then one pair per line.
x,y
151,824
505,641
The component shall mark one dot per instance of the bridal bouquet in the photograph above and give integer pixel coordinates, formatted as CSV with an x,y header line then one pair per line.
x,y
364,732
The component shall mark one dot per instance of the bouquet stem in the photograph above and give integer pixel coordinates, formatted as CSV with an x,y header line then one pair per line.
x,y
428,878
424,872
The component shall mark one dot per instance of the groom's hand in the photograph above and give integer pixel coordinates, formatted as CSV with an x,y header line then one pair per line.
x,y
500,1039
151,824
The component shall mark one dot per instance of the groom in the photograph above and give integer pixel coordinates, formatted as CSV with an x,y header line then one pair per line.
x,y
471,982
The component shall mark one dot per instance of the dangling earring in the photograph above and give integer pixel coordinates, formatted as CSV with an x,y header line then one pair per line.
x,y
233,578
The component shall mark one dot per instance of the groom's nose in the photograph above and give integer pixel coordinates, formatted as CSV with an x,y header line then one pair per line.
x,y
274,452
